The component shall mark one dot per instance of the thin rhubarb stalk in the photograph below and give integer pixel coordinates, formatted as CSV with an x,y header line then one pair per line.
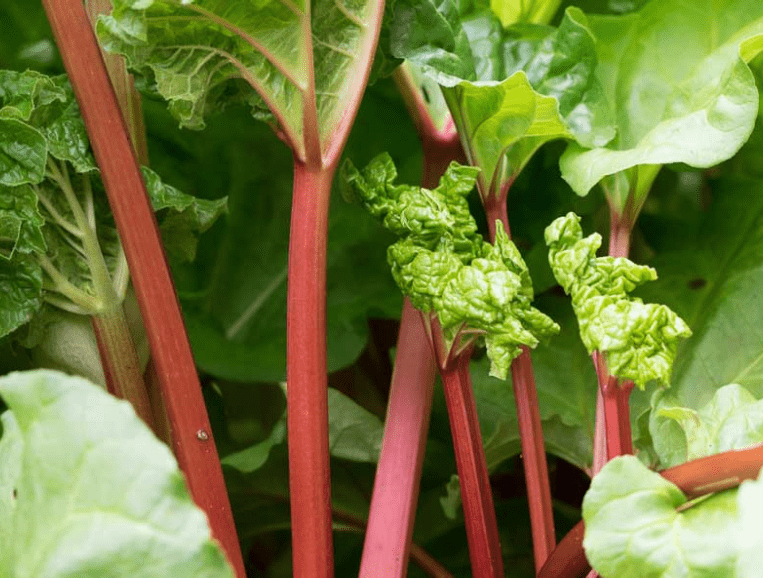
x,y
476,494
530,428
191,433
398,473
612,436
534,458
307,404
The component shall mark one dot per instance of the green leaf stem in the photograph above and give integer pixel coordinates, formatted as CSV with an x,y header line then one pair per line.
x,y
678,82
87,489
443,265
638,339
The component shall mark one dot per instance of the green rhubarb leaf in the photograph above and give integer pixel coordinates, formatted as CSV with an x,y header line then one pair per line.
x,y
533,11
712,280
732,420
22,153
633,528
679,85
182,217
21,298
118,499
204,54
20,221
638,339
355,434
443,265
509,90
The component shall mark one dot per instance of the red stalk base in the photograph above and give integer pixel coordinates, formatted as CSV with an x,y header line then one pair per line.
x,y
191,433
534,457
307,403
398,474
476,494
617,421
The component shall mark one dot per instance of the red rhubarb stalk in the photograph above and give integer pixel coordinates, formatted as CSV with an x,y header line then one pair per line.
x,y
191,434
612,436
476,494
307,404
398,473
530,428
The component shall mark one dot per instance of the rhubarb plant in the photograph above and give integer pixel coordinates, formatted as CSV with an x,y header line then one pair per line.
x,y
643,99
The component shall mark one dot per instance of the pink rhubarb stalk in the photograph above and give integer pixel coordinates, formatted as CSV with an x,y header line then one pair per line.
x,y
191,433
398,473
530,428
307,404
612,435
306,365
476,493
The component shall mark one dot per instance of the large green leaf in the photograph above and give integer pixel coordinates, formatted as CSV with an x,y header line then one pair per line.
x,y
509,90
633,528
298,56
679,86
88,490
21,297
732,420
713,283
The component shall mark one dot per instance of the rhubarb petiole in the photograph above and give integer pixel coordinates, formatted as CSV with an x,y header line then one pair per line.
x,y
476,494
398,473
192,436
530,427
307,405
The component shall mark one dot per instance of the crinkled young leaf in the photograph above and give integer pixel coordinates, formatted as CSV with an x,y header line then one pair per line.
x,y
92,491
443,265
678,83
639,339
201,55
732,420
509,90
634,531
